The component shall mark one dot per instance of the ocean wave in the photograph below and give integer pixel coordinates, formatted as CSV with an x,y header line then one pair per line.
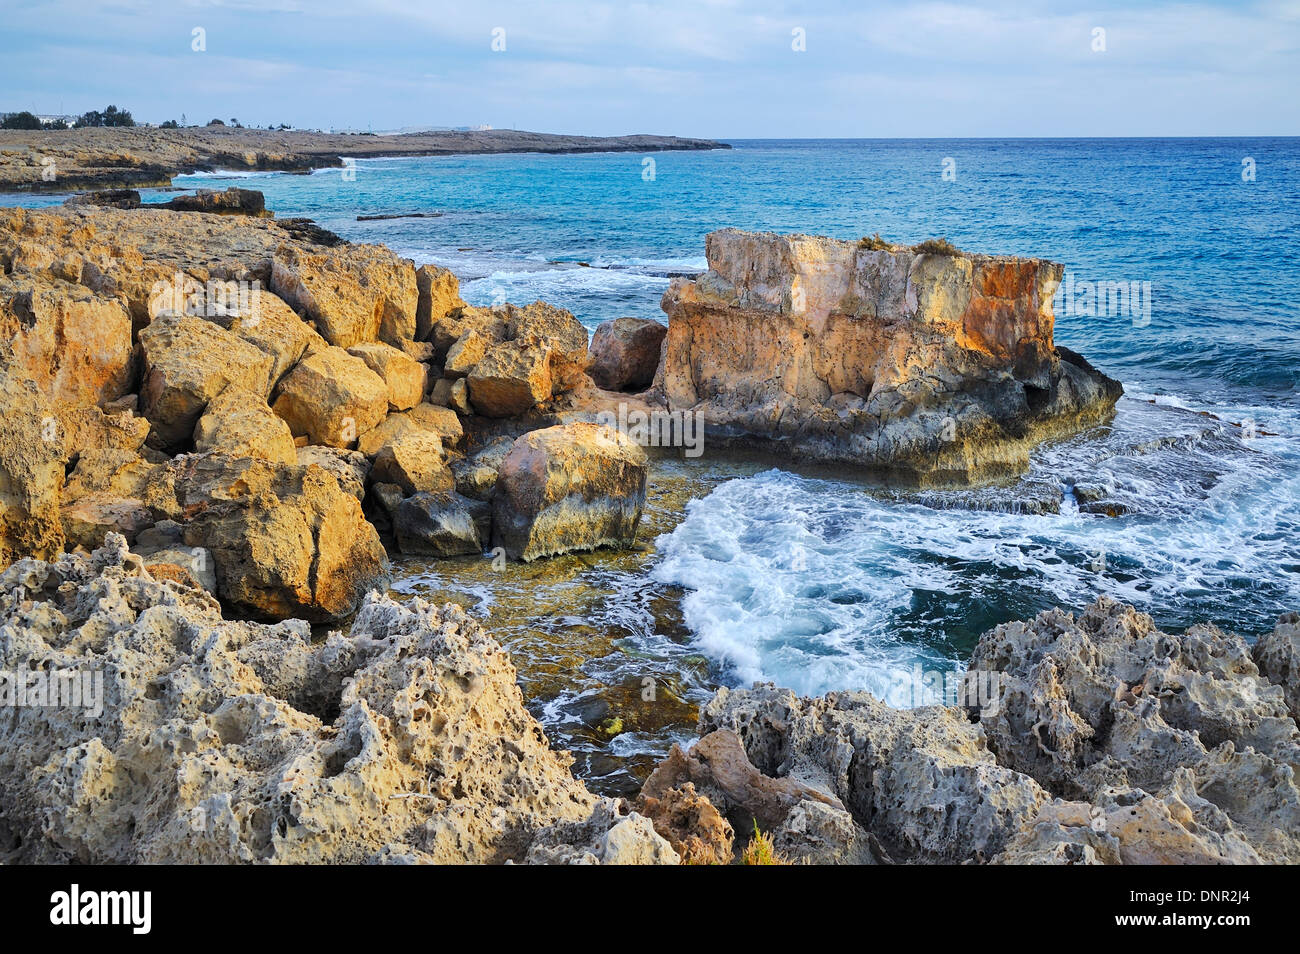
x,y
819,585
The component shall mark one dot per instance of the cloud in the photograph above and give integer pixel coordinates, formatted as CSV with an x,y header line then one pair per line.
x,y
695,67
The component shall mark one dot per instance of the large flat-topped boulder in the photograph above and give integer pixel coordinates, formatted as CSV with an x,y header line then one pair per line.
x,y
923,363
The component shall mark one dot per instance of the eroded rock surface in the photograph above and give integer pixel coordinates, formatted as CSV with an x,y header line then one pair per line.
x,y
933,367
1109,742
405,739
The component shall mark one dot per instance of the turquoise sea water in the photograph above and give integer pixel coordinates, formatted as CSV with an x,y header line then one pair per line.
x,y
822,584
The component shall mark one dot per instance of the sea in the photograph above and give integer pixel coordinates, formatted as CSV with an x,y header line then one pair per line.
x,y
1183,281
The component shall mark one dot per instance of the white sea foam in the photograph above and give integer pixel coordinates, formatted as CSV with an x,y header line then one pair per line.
x,y
808,583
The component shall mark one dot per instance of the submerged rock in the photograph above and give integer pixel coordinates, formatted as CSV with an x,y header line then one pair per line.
x,y
933,367
569,487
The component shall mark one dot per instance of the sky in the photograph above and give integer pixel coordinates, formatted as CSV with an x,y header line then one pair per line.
x,y
726,69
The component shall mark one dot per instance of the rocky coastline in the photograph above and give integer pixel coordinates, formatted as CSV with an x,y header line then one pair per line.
x,y
147,157
217,425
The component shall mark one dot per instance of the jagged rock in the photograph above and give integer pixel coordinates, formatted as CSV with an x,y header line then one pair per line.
x,y
605,838
570,487
439,297
934,368
109,198
1278,658
691,824
350,468
92,428
238,423
423,418
815,833
273,327
476,474
535,353
458,398
196,564
921,781
511,379
31,472
440,392
74,344
354,293
403,375
718,768
331,398
625,353
441,524
187,363
87,519
234,742
286,539
440,420
464,355
1108,700
414,461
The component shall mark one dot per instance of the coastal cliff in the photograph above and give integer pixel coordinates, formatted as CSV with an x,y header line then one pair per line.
x,y
922,363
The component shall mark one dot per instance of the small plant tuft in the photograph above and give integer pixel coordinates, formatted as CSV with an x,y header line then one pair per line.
x,y
759,851
875,243
936,246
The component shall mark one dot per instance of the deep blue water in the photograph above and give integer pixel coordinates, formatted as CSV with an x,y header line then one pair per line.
x,y
819,584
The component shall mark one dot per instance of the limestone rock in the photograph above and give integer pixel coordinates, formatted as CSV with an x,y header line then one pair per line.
x,y
350,468
570,487
464,355
1107,699
354,294
403,375
234,742
933,368
511,379
231,201
476,474
691,824
187,363
88,519
441,524
74,344
286,539
605,838
273,327
922,781
31,472
238,423
625,353
332,398
533,353
1278,658
439,297
413,461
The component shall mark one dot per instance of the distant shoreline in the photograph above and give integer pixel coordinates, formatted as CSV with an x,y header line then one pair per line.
x,y
146,157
